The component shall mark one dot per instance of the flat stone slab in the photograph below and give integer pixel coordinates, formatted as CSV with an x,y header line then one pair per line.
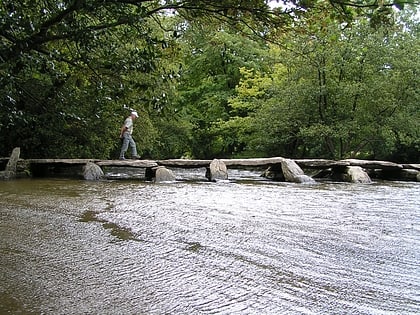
x,y
321,163
128,163
412,166
253,162
184,163
374,164
228,162
60,161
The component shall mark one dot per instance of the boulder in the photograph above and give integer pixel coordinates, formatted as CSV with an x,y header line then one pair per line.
x,y
6,175
217,171
409,175
398,175
163,175
10,171
274,172
293,173
91,171
356,174
304,179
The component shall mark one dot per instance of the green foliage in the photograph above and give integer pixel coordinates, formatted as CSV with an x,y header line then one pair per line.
x,y
70,71
336,93
211,71
70,78
200,75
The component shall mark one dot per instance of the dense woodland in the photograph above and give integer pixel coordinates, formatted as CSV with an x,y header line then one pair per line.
x,y
211,79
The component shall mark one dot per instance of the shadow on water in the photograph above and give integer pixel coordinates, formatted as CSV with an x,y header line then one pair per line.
x,y
12,305
121,233
194,246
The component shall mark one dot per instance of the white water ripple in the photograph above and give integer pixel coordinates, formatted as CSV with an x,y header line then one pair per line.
x,y
210,248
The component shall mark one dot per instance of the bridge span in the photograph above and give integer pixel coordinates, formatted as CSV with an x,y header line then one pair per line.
x,y
273,167
276,168
250,162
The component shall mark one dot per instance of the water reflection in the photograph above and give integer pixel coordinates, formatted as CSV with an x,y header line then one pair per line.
x,y
233,247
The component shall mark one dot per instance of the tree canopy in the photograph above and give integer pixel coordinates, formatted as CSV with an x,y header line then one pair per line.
x,y
209,79
356,88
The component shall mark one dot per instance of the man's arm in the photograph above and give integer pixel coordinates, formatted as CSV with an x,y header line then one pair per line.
x,y
123,129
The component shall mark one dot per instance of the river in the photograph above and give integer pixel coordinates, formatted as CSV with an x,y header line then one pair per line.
x,y
243,246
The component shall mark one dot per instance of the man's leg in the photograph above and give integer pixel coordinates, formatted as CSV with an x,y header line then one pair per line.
x,y
124,146
133,148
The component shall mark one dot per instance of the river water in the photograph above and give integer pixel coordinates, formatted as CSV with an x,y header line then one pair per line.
x,y
243,246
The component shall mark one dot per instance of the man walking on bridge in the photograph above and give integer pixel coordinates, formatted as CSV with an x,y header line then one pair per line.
x,y
126,136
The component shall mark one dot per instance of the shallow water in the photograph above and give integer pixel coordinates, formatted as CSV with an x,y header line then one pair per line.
x,y
243,246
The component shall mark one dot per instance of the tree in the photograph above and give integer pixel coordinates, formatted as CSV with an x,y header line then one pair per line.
x,y
338,92
210,74
66,92
70,69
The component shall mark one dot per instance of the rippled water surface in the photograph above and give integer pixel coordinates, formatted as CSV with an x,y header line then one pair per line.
x,y
244,246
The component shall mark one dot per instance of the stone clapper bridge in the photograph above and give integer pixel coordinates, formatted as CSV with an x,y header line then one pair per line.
x,y
274,168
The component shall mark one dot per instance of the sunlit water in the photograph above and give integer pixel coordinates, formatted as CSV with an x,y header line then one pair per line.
x,y
243,246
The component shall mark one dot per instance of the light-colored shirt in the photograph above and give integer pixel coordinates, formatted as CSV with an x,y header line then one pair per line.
x,y
129,124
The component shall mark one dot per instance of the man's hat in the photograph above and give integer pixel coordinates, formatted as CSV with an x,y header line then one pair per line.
x,y
135,113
